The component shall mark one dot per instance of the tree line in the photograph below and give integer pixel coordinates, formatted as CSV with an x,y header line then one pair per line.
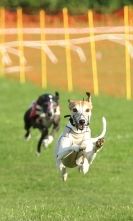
x,y
74,6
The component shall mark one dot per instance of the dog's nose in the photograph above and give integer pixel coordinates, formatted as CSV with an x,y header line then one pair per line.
x,y
82,122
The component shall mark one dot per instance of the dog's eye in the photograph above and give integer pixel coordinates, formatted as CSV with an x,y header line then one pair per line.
x,y
75,110
87,110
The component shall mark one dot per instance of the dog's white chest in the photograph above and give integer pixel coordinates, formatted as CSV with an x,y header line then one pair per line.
x,y
80,136
77,138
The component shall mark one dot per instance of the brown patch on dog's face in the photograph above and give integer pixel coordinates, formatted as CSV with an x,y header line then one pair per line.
x,y
84,104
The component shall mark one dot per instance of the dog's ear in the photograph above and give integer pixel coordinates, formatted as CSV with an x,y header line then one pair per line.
x,y
71,104
57,95
88,96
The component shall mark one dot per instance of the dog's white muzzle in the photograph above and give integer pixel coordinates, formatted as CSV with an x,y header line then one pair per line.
x,y
81,120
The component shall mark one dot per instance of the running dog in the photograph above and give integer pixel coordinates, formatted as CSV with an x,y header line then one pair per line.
x,y
44,114
76,147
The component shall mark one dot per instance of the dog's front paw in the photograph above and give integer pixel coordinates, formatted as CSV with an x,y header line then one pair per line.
x,y
38,153
99,143
45,143
27,137
48,141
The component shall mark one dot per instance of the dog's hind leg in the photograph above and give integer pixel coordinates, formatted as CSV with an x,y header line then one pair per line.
x,y
85,166
62,170
64,174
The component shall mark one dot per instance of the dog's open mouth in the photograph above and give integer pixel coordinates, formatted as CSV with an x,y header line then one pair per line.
x,y
81,127
81,124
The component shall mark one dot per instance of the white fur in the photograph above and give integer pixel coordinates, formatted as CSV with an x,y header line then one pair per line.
x,y
77,140
48,141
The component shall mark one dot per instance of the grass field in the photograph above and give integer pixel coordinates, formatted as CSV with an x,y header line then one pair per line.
x,y
31,188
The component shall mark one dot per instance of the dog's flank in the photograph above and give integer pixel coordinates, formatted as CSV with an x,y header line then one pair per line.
x,y
76,147
44,114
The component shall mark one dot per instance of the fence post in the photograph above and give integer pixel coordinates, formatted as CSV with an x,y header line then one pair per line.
x,y
43,54
127,56
93,52
2,39
68,52
20,44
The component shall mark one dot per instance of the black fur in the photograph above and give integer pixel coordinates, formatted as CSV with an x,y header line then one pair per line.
x,y
43,116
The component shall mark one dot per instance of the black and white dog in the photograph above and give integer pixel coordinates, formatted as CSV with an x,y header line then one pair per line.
x,y
44,114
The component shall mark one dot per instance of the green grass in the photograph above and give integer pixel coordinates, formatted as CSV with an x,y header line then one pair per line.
x,y
31,188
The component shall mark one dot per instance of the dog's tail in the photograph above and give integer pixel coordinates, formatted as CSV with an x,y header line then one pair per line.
x,y
103,131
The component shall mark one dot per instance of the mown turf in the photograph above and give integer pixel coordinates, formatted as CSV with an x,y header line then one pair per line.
x,y
31,188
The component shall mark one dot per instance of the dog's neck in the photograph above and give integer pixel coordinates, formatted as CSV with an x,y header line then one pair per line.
x,y
72,122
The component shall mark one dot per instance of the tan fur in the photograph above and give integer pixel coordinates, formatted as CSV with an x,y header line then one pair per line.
x,y
74,103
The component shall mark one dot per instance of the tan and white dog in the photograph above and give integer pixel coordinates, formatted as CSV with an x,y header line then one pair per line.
x,y
76,147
